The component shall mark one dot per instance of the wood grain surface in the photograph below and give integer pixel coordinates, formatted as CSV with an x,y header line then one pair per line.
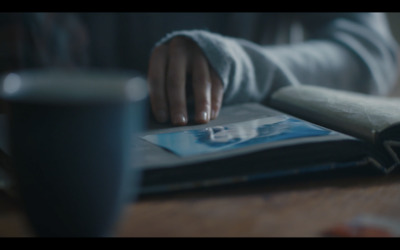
x,y
288,209
281,208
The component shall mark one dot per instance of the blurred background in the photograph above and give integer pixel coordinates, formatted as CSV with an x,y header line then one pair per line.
x,y
20,49
394,20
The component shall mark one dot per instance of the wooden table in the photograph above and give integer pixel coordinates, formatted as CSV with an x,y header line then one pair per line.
x,y
304,207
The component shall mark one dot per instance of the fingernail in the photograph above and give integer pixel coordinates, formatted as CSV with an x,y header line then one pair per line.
x,y
213,114
179,119
162,116
202,117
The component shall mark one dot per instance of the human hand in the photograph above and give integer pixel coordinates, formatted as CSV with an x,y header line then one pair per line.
x,y
169,66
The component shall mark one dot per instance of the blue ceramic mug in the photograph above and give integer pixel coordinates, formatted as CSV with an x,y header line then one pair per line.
x,y
71,136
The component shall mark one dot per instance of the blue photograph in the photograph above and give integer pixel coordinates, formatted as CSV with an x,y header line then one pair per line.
x,y
236,135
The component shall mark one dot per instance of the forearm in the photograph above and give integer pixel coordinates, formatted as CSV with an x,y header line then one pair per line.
x,y
345,54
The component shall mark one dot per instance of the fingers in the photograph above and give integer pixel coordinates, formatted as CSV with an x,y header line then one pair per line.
x,y
217,93
156,83
169,65
201,87
176,81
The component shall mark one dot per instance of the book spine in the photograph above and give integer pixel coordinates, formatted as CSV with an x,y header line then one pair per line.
x,y
393,149
248,178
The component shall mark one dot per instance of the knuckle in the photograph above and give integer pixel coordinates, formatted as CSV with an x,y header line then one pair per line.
x,y
173,80
156,93
154,82
159,51
216,106
205,103
216,103
217,98
177,43
201,81
176,102
219,90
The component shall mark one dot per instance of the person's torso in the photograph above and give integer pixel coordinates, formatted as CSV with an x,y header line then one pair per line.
x,y
125,40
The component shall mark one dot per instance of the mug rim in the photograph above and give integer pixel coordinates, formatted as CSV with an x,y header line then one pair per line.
x,y
72,86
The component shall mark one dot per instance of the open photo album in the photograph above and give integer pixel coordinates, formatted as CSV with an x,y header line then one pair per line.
x,y
303,129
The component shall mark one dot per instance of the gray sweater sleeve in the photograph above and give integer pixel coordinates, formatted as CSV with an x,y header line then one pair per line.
x,y
345,51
